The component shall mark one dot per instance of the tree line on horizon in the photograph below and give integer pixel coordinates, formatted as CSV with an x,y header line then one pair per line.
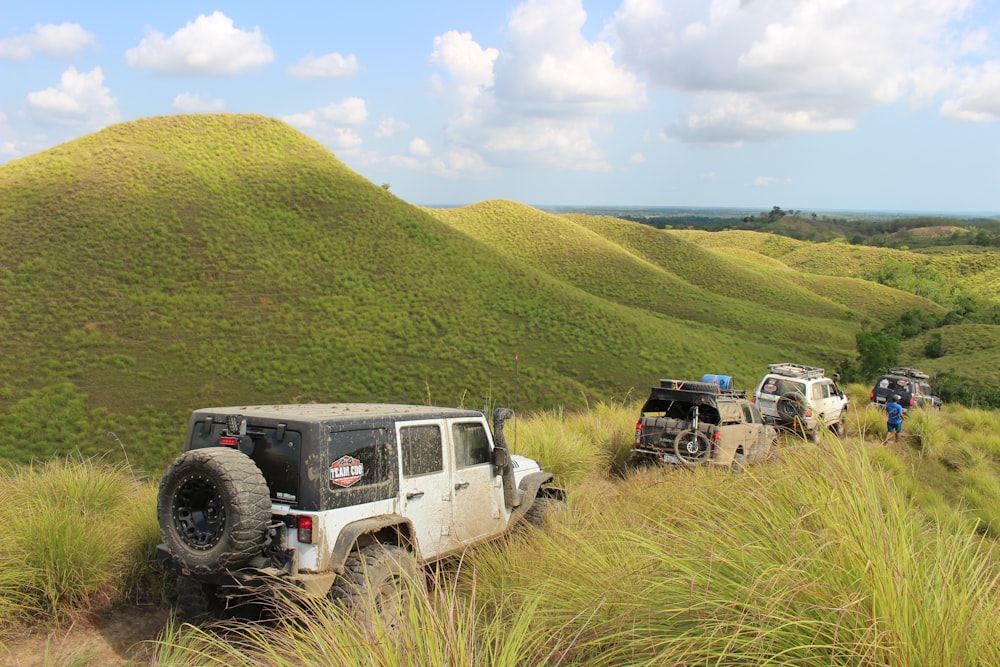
x,y
895,232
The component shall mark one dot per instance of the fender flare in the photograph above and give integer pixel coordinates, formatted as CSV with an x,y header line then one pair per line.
x,y
354,533
530,488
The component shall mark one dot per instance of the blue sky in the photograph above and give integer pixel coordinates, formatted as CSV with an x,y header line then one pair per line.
x,y
890,105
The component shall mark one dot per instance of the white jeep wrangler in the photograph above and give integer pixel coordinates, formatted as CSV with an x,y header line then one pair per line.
x,y
802,399
334,497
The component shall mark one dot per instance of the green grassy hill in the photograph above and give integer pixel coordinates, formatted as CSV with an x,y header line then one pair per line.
x,y
174,262
655,271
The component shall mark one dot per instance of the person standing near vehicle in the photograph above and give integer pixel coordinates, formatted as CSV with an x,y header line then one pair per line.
x,y
894,418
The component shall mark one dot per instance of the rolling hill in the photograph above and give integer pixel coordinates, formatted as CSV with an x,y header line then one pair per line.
x,y
175,262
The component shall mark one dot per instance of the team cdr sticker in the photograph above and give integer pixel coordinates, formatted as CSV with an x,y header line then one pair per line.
x,y
346,471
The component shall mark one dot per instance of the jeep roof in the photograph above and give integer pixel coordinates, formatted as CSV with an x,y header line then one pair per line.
x,y
321,412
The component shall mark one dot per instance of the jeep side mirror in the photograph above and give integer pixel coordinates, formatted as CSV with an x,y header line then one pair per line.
x,y
501,457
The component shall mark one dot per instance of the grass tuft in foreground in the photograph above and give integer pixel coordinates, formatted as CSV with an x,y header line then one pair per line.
x,y
78,536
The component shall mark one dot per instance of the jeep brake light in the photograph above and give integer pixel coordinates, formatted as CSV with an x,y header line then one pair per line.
x,y
229,441
305,529
912,402
716,439
638,433
871,396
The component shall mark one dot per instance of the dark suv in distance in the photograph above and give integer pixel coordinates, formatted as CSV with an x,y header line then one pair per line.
x,y
912,386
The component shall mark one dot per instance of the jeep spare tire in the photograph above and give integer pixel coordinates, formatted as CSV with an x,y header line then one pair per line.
x,y
213,507
792,406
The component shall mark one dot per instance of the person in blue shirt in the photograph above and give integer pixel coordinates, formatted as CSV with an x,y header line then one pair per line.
x,y
894,418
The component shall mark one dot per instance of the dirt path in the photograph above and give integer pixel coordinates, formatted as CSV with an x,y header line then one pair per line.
x,y
109,640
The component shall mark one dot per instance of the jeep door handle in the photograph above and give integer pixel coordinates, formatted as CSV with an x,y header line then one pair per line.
x,y
410,495
461,485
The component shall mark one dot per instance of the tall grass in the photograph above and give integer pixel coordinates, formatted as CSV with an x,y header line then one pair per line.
x,y
440,627
78,536
580,444
820,560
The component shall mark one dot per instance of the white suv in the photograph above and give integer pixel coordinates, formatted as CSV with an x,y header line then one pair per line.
x,y
332,497
803,399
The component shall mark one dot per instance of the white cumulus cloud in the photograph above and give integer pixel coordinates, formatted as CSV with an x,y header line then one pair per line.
x,y
755,70
461,162
419,147
208,46
540,98
329,66
79,99
469,66
54,41
195,103
976,97
333,125
389,127
549,66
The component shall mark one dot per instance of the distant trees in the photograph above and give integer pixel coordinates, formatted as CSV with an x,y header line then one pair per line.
x,y
877,350
934,348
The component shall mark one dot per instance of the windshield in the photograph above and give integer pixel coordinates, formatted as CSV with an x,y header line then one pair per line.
x,y
780,386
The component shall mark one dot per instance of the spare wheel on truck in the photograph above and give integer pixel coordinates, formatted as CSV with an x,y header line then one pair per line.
x,y
213,507
792,405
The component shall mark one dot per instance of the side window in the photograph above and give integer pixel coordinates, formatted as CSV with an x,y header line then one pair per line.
x,y
421,447
472,447
748,414
359,458
361,468
816,391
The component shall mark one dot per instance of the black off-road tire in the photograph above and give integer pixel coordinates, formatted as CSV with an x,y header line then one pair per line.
x,y
792,406
692,447
213,507
196,601
839,427
739,463
541,509
376,580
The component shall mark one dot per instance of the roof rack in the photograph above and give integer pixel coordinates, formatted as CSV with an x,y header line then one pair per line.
x,y
908,372
691,385
796,370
